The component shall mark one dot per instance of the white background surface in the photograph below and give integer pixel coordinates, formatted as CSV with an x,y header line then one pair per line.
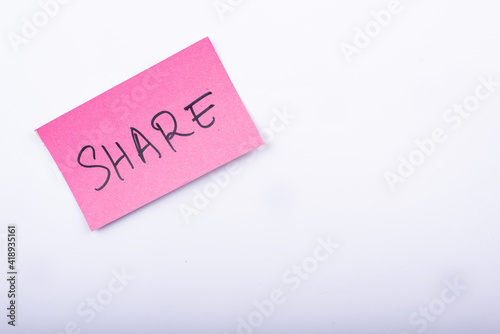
x,y
323,175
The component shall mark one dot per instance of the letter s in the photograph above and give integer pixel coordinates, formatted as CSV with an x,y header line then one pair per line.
x,y
93,166
89,312
291,280
450,118
415,322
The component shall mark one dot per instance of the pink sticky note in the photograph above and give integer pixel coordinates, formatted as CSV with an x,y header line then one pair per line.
x,y
151,134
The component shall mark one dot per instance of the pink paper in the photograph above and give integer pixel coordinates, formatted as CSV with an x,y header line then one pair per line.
x,y
214,131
